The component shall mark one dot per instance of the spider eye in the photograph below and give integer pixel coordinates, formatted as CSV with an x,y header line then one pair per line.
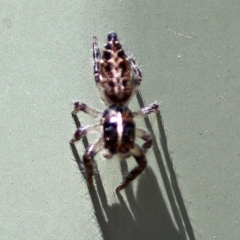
x,y
108,129
128,132
110,132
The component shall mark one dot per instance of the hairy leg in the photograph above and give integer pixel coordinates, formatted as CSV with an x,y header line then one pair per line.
x,y
151,108
82,131
139,155
79,106
96,59
88,156
141,133
136,71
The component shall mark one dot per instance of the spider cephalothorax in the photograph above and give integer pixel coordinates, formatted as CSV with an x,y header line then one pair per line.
x,y
118,130
116,73
117,78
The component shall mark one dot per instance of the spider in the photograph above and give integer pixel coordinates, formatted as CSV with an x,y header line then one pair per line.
x,y
117,78
116,73
118,130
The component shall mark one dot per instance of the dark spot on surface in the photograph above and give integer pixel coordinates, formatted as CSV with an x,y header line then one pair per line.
x,y
7,22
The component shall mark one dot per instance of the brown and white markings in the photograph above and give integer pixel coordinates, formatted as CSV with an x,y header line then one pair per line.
x,y
118,132
117,78
116,73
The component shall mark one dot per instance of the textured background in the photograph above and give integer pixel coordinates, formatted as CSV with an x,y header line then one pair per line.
x,y
189,55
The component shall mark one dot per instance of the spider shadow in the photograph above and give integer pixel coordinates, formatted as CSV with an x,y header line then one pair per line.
x,y
146,215
119,222
171,185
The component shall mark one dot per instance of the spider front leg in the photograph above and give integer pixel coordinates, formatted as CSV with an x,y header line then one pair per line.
x,y
144,135
96,59
151,108
139,155
79,106
88,156
82,131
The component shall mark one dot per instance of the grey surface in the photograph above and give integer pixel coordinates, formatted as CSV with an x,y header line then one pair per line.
x,y
189,54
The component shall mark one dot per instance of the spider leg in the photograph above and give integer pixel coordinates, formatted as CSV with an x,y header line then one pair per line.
x,y
82,131
139,155
136,71
107,154
145,136
96,59
151,108
88,156
79,106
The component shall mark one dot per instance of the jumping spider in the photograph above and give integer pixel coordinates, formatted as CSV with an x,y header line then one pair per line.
x,y
117,78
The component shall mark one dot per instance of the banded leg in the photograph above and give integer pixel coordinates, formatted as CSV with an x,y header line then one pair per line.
x,y
88,156
82,131
96,59
144,135
136,71
151,108
139,155
79,106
